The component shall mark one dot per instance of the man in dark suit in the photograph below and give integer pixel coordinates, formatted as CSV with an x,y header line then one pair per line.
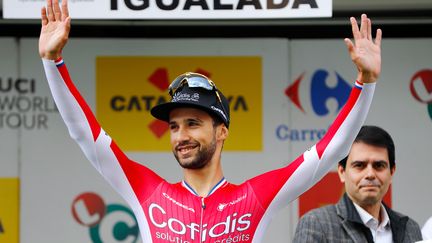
x,y
361,215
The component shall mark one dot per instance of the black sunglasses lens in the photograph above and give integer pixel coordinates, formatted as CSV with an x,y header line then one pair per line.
x,y
177,83
193,80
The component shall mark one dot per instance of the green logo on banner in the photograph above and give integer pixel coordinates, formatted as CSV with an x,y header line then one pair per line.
x,y
430,110
106,223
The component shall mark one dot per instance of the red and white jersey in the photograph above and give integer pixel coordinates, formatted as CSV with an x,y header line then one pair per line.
x,y
230,213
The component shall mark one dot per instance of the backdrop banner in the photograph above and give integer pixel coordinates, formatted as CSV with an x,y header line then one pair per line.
x,y
176,9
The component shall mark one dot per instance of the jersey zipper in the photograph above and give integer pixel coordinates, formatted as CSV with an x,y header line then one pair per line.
x,y
203,203
203,206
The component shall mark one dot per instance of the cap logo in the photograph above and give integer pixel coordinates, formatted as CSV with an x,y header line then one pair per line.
x,y
185,97
219,110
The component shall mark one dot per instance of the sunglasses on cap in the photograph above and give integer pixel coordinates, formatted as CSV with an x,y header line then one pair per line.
x,y
194,80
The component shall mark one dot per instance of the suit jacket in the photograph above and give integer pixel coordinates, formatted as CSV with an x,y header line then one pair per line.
x,y
342,223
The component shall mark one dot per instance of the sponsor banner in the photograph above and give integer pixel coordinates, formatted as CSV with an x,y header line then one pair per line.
x,y
128,87
9,216
176,9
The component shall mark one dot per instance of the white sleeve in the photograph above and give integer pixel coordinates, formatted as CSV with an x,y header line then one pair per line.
x,y
97,146
333,147
290,182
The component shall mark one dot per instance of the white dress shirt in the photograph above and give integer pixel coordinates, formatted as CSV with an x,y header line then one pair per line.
x,y
381,232
427,230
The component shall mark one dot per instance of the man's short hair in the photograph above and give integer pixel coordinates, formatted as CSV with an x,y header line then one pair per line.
x,y
375,136
216,119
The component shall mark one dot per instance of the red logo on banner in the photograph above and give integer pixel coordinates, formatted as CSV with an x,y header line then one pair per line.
x,y
88,209
328,191
421,86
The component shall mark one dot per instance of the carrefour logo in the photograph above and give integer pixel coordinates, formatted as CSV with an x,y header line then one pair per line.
x,y
421,88
106,223
321,93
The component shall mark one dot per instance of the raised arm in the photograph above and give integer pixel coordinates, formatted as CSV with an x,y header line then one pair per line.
x,y
132,180
55,29
365,52
291,181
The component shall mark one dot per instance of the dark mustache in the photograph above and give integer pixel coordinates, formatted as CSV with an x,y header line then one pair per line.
x,y
185,144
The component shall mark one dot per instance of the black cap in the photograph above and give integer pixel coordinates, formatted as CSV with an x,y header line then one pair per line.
x,y
200,98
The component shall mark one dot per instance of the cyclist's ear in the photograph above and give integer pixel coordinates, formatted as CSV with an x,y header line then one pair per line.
x,y
222,132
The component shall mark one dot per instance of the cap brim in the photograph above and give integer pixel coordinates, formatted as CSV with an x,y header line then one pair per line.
x,y
162,111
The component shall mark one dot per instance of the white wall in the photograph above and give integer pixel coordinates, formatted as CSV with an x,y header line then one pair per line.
x,y
53,171
9,142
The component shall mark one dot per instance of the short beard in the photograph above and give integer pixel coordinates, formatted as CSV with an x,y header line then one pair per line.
x,y
202,158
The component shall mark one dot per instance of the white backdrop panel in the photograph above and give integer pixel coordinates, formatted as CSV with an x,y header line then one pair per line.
x,y
9,129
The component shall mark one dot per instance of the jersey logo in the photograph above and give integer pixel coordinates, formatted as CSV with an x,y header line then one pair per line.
x,y
222,206
177,203
183,230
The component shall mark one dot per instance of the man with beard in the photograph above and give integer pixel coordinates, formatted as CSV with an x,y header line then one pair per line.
x,y
361,215
203,207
